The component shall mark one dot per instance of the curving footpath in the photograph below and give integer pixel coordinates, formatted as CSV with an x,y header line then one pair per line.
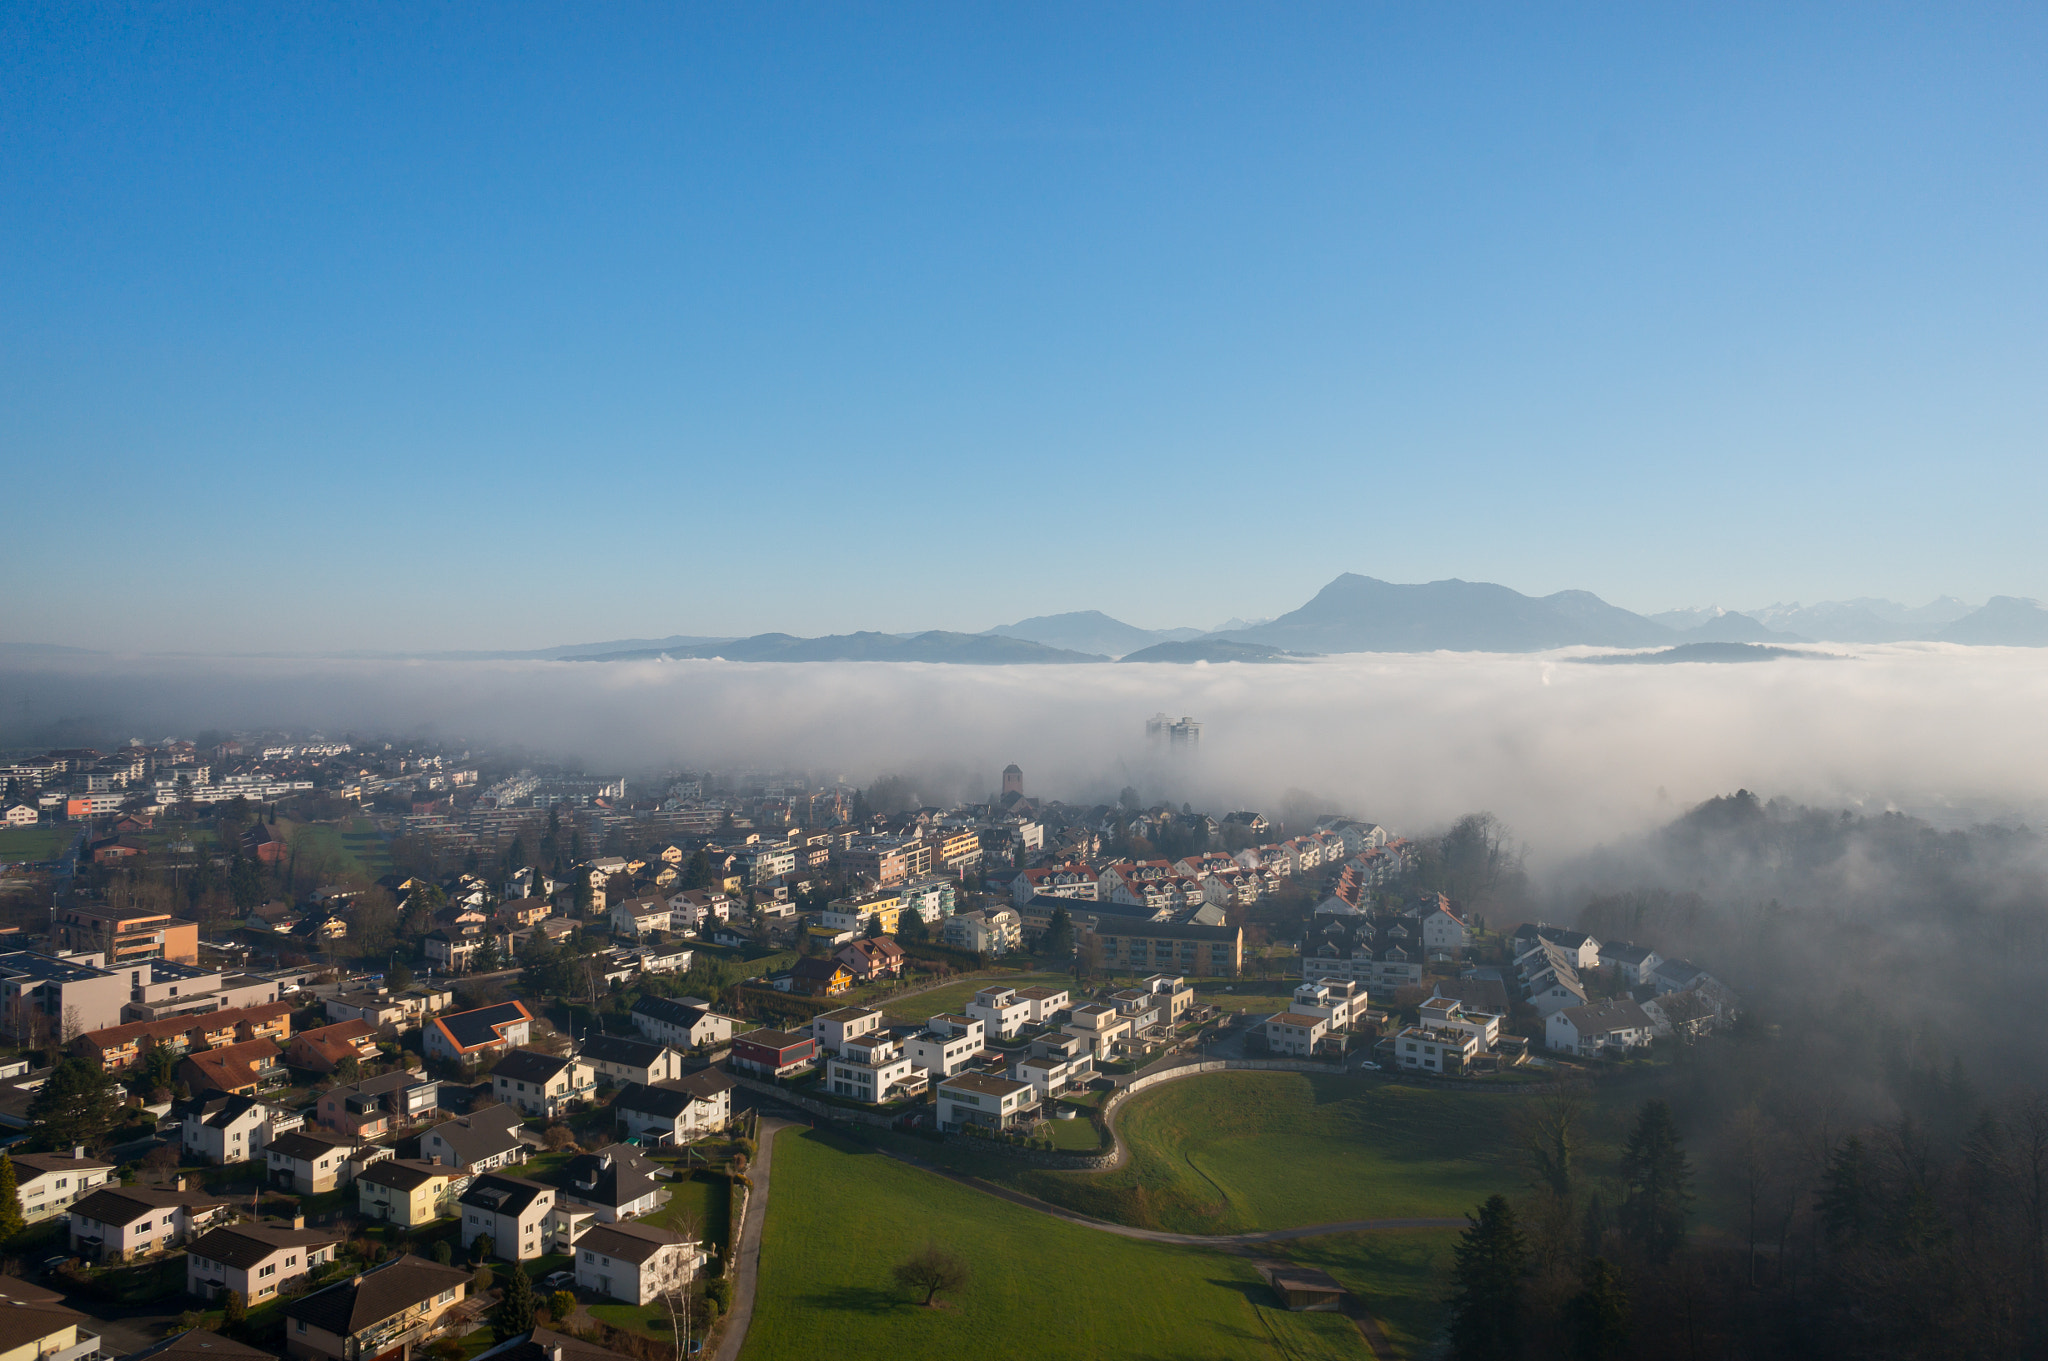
x,y
747,1266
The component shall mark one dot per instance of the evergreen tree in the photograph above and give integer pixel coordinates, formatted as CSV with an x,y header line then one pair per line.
x,y
1486,1302
1593,1231
1657,1176
1058,945
444,1252
1847,1202
1598,1314
10,1199
237,1307
514,1314
76,1105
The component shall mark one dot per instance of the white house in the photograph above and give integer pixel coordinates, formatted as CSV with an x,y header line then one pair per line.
x,y
254,1260
947,1047
676,1111
1001,1010
833,1030
513,1211
1635,964
620,1059
635,1263
872,1068
992,1102
50,1183
1617,1024
1435,1051
682,1024
232,1129
119,1223
1296,1033
542,1084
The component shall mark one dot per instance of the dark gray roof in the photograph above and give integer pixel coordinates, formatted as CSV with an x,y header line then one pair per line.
x,y
505,1195
480,1025
611,1176
402,1174
529,1065
246,1245
376,1295
672,1098
543,1345
199,1345
307,1147
484,1134
623,1049
670,1010
628,1241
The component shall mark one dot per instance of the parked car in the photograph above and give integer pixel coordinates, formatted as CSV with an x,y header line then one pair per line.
x,y
557,1280
1369,1065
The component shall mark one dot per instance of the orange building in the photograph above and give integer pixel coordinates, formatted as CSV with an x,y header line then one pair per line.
x,y
125,936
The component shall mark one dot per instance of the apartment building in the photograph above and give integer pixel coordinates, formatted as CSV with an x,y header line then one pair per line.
x,y
122,936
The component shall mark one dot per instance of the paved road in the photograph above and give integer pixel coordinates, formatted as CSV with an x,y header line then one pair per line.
x,y
747,1268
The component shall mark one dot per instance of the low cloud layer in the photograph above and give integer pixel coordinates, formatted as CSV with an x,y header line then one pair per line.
x,y
1568,754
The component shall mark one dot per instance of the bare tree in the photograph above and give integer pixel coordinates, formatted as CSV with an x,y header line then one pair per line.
x,y
931,1269
677,1296
1756,1157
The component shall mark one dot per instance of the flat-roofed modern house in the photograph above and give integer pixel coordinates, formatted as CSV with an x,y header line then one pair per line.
x,y
387,1313
254,1259
773,1053
468,1036
992,1102
44,998
123,936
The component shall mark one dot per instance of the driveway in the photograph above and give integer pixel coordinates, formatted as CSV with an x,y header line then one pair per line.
x,y
747,1267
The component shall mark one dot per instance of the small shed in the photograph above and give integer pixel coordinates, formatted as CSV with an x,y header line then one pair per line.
x,y
1303,1289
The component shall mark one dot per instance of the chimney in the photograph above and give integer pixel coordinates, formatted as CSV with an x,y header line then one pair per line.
x,y
78,1150
179,1183
298,1221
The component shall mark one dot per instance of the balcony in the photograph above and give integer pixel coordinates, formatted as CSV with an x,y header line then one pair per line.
x,y
88,1344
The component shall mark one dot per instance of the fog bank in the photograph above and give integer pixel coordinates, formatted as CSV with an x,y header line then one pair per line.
x,y
1568,754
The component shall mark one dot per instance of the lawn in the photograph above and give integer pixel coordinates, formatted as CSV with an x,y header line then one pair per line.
x,y
359,850
954,997
839,1217
33,843
1233,1152
1402,1276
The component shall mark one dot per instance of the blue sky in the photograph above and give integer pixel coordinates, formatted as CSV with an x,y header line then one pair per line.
x,y
503,326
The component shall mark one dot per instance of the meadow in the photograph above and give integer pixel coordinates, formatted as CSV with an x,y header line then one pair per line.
x,y
841,1215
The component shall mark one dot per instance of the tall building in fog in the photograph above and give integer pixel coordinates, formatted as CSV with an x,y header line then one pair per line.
x,y
1013,779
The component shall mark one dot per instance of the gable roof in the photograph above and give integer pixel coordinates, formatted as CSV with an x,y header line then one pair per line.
x,y
670,1099
305,1147
246,1245
40,1163
481,1026
404,1174
627,1049
376,1295
503,1194
232,1065
672,1010
477,1135
614,1176
1604,1018
530,1065
126,1204
543,1345
632,1242
171,1027
199,1345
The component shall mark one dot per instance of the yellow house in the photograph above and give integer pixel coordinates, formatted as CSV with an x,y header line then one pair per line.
x,y
387,1312
409,1193
29,1331
852,914
674,855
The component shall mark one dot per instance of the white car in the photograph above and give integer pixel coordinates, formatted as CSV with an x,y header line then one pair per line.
x,y
558,1280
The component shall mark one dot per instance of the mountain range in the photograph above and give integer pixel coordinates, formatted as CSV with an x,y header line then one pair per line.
x,y
1351,614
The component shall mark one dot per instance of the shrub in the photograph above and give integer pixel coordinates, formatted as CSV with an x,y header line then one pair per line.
x,y
719,1292
562,1304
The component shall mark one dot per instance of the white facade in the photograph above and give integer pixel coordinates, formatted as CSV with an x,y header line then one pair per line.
x,y
1001,1010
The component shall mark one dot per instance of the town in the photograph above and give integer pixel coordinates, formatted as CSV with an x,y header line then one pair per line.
x,y
335,1044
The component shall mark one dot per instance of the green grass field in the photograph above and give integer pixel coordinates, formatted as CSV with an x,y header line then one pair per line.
x,y
954,997
1234,1152
839,1217
1402,1276
33,843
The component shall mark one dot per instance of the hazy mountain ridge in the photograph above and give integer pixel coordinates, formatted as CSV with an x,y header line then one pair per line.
x,y
1090,631
937,645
